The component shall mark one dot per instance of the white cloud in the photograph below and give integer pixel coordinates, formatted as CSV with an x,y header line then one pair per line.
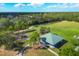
x,y
71,5
30,4
35,4
64,5
54,6
76,5
19,5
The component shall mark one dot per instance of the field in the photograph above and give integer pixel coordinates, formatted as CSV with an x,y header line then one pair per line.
x,y
67,30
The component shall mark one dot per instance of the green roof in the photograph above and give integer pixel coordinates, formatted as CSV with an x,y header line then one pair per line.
x,y
52,38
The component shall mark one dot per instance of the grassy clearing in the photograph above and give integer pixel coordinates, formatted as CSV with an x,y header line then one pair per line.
x,y
65,29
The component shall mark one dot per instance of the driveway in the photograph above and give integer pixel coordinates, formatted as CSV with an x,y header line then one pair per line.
x,y
52,52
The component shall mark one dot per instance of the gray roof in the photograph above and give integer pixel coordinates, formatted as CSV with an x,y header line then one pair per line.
x,y
51,38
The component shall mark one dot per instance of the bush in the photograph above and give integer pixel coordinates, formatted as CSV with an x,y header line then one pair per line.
x,y
44,30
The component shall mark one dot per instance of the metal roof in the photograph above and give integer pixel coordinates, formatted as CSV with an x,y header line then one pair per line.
x,y
52,38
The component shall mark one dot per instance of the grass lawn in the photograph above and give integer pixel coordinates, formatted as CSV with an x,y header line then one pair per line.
x,y
65,29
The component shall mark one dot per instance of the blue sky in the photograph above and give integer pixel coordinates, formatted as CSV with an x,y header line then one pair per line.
x,y
39,7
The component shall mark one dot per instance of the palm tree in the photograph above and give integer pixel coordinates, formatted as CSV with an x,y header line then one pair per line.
x,y
34,39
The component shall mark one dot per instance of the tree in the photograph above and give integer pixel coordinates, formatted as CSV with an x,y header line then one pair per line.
x,y
68,51
44,30
34,39
7,40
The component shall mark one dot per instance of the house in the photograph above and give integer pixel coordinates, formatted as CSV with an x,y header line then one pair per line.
x,y
51,40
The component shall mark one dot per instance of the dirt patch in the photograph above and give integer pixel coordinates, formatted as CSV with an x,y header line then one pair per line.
x,y
38,52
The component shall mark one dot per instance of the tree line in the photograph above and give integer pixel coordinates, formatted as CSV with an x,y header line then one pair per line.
x,y
23,21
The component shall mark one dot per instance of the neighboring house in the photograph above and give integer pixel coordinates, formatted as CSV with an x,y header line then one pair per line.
x,y
51,40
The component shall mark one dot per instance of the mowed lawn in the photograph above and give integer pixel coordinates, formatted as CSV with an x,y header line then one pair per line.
x,y
65,29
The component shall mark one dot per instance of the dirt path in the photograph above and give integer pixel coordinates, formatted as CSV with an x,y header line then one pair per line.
x,y
7,52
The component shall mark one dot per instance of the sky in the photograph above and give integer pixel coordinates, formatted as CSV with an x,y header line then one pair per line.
x,y
39,7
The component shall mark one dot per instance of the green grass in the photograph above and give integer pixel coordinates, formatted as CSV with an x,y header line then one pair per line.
x,y
65,29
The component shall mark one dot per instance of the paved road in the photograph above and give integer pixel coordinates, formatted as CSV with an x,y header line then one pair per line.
x,y
53,52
